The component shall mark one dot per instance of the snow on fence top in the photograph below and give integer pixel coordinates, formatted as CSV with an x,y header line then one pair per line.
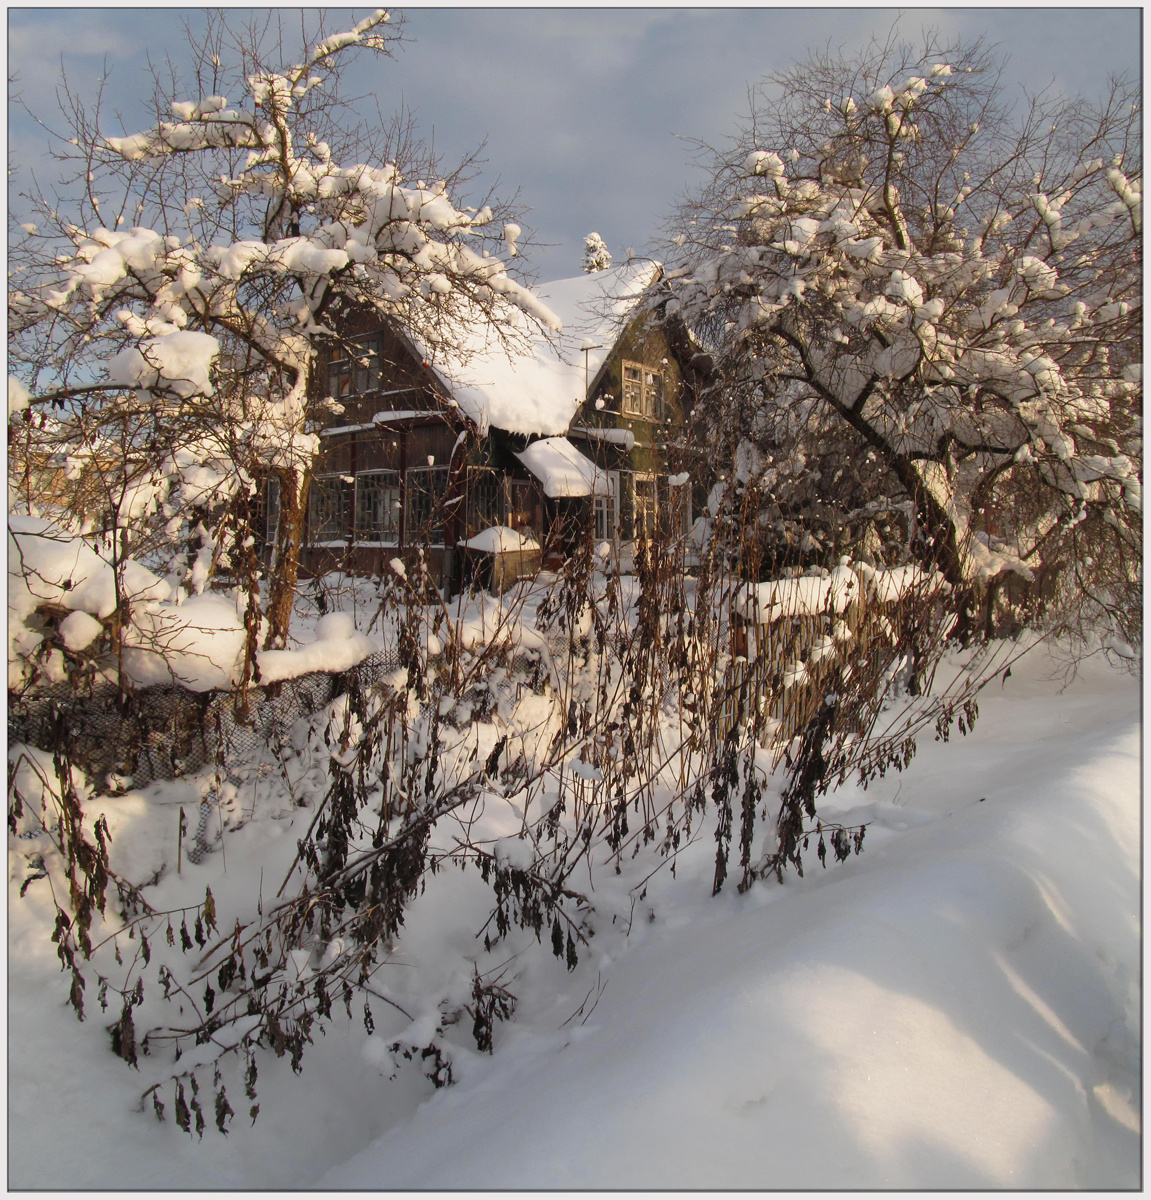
x,y
539,392
811,595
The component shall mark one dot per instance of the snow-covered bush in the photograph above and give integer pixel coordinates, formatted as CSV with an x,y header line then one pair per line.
x,y
528,765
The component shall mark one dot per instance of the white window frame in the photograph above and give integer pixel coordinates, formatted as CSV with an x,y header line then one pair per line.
x,y
606,512
650,391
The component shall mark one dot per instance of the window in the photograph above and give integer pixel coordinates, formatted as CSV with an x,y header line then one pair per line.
x,y
642,391
677,510
328,500
271,510
378,507
645,506
354,367
607,511
487,500
426,488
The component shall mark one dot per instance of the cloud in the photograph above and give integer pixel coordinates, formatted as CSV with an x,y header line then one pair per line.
x,y
81,34
583,108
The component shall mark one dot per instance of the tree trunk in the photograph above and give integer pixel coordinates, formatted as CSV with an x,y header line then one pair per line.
x,y
285,567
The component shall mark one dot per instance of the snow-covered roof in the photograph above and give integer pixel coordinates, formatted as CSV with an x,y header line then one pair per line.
x,y
563,470
539,392
499,539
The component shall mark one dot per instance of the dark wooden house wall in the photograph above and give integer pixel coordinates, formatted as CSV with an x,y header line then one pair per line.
x,y
479,481
475,482
658,450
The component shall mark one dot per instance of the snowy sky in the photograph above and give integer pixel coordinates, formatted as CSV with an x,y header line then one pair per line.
x,y
582,109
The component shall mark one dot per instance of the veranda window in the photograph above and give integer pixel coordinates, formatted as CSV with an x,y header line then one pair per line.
x,y
487,500
329,499
378,507
427,487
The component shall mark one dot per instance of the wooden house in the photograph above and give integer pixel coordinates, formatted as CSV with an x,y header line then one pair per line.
x,y
489,466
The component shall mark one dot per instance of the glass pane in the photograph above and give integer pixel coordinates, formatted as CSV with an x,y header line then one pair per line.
x,y
340,378
426,489
328,499
653,394
367,371
607,511
378,507
604,519
632,390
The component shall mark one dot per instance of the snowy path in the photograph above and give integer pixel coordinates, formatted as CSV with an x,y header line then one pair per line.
x,y
958,1007
955,1008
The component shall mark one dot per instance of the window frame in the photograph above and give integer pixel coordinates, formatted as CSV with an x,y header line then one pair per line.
x,y
493,486
650,384
344,364
435,519
379,535
337,485
647,525
606,514
272,510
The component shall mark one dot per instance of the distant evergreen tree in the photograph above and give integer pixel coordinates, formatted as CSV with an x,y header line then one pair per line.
x,y
596,256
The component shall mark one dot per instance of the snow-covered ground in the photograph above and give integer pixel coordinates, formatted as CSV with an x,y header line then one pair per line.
x,y
957,1007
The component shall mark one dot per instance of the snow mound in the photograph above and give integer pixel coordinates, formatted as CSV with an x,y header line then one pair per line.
x,y
957,1008
498,539
337,647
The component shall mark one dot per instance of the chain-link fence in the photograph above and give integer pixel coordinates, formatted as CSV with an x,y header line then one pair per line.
x,y
166,731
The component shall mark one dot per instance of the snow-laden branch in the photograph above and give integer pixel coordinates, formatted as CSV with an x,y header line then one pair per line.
x,y
956,326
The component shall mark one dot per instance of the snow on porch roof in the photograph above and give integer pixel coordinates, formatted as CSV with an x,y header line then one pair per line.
x,y
563,470
540,392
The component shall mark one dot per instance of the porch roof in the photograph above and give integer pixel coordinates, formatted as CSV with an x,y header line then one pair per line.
x,y
562,470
